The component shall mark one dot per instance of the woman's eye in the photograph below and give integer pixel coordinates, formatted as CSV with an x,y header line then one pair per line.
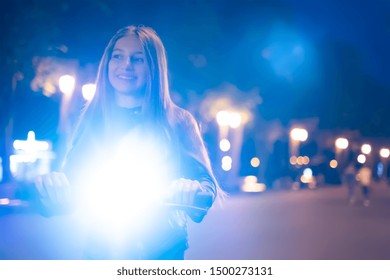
x,y
137,59
117,56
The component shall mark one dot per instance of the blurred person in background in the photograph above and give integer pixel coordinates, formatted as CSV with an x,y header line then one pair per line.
x,y
365,179
132,109
349,179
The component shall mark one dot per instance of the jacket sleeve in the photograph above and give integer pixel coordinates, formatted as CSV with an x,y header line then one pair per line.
x,y
195,162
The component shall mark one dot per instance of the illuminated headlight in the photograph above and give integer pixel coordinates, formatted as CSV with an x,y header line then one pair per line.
x,y
130,184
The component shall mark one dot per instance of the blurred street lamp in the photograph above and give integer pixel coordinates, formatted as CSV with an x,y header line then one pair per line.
x,y
224,145
227,163
88,91
67,84
255,162
366,149
384,153
341,143
297,136
223,118
232,119
333,163
235,119
361,158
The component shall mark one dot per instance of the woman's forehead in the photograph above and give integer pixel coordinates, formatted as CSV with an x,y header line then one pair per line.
x,y
129,42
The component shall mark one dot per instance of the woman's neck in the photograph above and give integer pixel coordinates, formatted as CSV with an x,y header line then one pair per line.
x,y
128,101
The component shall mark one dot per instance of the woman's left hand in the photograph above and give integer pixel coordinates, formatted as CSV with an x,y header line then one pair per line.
x,y
184,191
187,192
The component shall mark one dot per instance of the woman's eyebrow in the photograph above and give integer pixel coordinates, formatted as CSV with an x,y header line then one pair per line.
x,y
117,50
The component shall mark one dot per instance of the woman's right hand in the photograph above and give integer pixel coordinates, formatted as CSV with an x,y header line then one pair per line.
x,y
54,192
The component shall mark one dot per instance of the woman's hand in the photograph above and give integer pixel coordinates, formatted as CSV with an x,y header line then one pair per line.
x,y
184,191
188,192
54,192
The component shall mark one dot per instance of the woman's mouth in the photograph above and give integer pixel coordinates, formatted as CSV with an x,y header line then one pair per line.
x,y
127,77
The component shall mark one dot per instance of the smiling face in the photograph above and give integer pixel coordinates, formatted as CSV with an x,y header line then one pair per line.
x,y
128,70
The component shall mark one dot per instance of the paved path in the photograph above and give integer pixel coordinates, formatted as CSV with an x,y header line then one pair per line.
x,y
304,224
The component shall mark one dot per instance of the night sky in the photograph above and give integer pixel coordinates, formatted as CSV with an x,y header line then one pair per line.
x,y
327,59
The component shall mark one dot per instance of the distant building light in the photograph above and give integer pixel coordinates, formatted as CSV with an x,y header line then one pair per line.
x,y
300,160
333,163
67,84
306,160
255,162
299,134
227,163
361,158
31,144
307,176
223,118
4,201
224,145
366,149
341,143
88,91
235,119
308,172
251,185
384,152
293,160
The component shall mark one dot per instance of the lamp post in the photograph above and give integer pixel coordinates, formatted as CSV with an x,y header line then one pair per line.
x,y
230,124
341,144
297,135
66,84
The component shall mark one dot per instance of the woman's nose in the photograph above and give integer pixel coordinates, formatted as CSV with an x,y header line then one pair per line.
x,y
128,63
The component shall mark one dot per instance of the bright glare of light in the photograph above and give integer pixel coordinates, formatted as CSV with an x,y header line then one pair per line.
x,y
299,134
223,118
333,163
307,176
255,162
88,91
384,152
224,145
132,182
227,163
341,143
31,144
251,185
300,160
366,149
232,119
227,160
308,172
293,160
361,158
67,84
235,119
4,201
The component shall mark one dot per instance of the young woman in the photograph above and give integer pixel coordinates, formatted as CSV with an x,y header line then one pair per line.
x,y
132,118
